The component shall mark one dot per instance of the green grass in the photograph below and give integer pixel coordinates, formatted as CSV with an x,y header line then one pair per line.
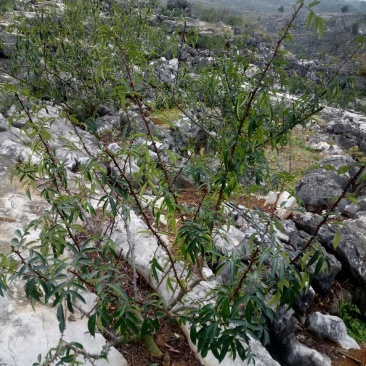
x,y
351,315
294,159
166,115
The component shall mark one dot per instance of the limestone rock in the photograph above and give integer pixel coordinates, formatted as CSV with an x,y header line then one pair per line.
x,y
285,346
7,43
319,187
332,328
351,210
26,333
348,127
145,249
323,281
286,203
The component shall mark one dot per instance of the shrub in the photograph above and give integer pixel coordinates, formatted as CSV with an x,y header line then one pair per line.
x,y
213,42
362,71
87,59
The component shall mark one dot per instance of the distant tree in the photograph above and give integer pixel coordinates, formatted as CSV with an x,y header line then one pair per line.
x,y
355,29
345,9
179,5
281,9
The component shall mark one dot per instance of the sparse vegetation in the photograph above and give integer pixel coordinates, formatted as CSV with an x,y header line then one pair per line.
x,y
89,60
294,158
356,326
213,15
210,41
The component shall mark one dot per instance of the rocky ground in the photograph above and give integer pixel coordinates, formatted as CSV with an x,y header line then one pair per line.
x,y
295,333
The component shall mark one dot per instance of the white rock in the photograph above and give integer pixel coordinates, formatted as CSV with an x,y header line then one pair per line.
x,y
286,203
26,333
174,64
314,357
114,148
271,198
332,328
229,240
145,249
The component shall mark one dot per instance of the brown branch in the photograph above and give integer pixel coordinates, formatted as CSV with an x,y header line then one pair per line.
x,y
146,122
253,95
253,259
39,274
147,221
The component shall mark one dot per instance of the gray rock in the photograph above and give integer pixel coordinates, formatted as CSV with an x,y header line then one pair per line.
x,y
308,222
299,238
305,356
323,281
362,202
303,302
184,182
8,43
285,346
125,123
348,127
165,75
352,246
351,210
228,241
3,123
318,188
332,328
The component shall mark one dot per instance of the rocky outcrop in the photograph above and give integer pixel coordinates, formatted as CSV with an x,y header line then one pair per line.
x,y
349,130
285,346
8,43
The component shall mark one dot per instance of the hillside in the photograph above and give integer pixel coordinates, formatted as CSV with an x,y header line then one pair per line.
x,y
181,190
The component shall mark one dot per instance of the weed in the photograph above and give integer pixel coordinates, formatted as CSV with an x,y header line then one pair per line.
x,y
351,315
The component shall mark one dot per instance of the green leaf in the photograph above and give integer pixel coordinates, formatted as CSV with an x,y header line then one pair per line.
x,y
27,191
249,311
91,324
54,291
309,20
119,291
61,318
113,206
314,258
68,358
225,308
77,345
336,240
314,3
319,266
